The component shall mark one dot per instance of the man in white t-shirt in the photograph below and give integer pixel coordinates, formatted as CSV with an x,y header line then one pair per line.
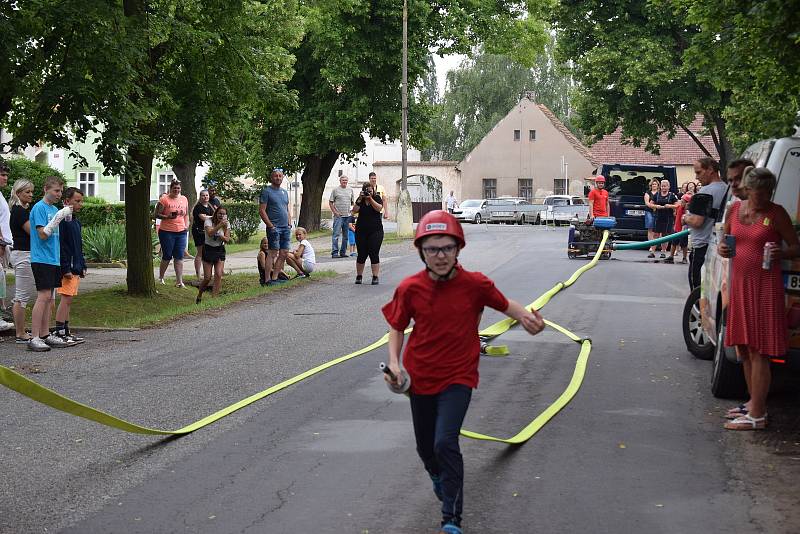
x,y
5,234
340,202
451,202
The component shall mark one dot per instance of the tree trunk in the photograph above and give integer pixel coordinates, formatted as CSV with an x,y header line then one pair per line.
x,y
138,223
315,174
724,147
185,171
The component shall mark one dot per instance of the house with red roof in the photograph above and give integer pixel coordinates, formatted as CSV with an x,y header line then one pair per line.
x,y
681,151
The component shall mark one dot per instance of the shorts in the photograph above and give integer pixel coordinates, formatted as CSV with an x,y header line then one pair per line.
x,y
69,286
649,219
213,254
24,284
172,244
308,266
199,237
681,241
46,276
279,238
664,225
351,237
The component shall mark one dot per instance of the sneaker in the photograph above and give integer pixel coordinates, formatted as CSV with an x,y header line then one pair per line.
x,y
280,281
37,344
353,254
651,255
663,255
374,280
75,339
22,340
162,282
437,486
450,528
334,255
671,259
684,260
58,342
181,285
272,283
5,325
358,279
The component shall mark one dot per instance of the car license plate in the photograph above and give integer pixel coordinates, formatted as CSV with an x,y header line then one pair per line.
x,y
635,213
503,213
791,281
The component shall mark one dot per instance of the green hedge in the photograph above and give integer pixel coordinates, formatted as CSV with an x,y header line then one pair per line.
x,y
244,220
101,214
36,172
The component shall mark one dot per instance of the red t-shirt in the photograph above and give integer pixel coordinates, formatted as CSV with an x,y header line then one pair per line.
x,y
679,211
444,347
600,199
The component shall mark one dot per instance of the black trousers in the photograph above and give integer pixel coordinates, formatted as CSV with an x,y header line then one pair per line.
x,y
437,422
369,244
697,257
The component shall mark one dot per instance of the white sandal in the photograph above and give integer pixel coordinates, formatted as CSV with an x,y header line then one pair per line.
x,y
747,422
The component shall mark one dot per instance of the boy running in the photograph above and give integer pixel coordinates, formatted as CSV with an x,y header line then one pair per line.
x,y
446,303
46,264
73,265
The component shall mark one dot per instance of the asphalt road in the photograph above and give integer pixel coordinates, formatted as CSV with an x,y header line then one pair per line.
x,y
639,449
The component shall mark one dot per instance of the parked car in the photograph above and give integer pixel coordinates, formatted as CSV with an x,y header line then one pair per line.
x,y
512,210
626,185
704,315
563,208
474,211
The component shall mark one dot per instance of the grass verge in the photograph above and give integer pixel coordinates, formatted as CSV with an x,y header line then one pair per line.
x,y
114,308
255,241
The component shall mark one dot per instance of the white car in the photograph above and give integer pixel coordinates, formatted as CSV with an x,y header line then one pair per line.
x,y
474,211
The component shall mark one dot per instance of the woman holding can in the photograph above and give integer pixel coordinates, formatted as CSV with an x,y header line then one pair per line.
x,y
756,323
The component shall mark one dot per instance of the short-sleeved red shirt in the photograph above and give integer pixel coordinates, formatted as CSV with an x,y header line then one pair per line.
x,y
444,347
600,199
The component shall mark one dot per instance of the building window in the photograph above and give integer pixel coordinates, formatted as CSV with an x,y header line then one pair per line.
x,y
87,183
525,188
516,135
560,186
532,135
121,187
489,188
164,179
341,172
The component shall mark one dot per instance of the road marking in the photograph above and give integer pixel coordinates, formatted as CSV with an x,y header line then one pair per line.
x,y
629,299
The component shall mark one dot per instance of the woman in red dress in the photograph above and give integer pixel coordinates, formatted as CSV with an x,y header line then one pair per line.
x,y
756,316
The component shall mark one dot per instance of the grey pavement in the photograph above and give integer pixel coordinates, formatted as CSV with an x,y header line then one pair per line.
x,y
639,449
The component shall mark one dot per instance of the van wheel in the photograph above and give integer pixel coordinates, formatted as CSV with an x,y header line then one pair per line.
x,y
521,219
727,378
696,340
538,219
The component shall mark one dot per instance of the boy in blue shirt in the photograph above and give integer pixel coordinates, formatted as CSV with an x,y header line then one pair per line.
x,y
46,263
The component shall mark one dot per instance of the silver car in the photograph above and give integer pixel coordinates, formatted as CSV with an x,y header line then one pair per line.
x,y
474,211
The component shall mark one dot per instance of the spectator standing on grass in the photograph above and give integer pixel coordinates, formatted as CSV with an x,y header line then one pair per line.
x,y
213,199
451,202
46,264
218,232
379,189
24,286
665,203
7,237
756,323
701,227
369,231
274,210
302,259
173,211
73,264
202,211
341,202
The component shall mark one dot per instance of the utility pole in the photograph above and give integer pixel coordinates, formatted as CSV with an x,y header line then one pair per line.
x,y
405,225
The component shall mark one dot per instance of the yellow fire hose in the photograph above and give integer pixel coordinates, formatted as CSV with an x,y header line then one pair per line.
x,y
39,393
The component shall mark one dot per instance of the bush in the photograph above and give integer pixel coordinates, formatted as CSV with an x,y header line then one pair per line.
x,y
244,220
96,214
94,200
107,244
36,172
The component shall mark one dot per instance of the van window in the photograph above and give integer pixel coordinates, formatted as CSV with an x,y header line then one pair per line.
x,y
630,183
577,201
556,201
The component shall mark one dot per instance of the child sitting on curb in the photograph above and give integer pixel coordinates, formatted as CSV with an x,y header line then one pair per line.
x,y
302,259
445,302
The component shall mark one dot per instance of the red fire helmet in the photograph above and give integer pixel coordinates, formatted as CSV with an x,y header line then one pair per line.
x,y
439,222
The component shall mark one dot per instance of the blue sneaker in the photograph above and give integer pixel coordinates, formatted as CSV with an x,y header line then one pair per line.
x,y
437,486
450,528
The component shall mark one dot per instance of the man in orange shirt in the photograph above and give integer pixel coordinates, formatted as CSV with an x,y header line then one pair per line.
x,y
598,199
